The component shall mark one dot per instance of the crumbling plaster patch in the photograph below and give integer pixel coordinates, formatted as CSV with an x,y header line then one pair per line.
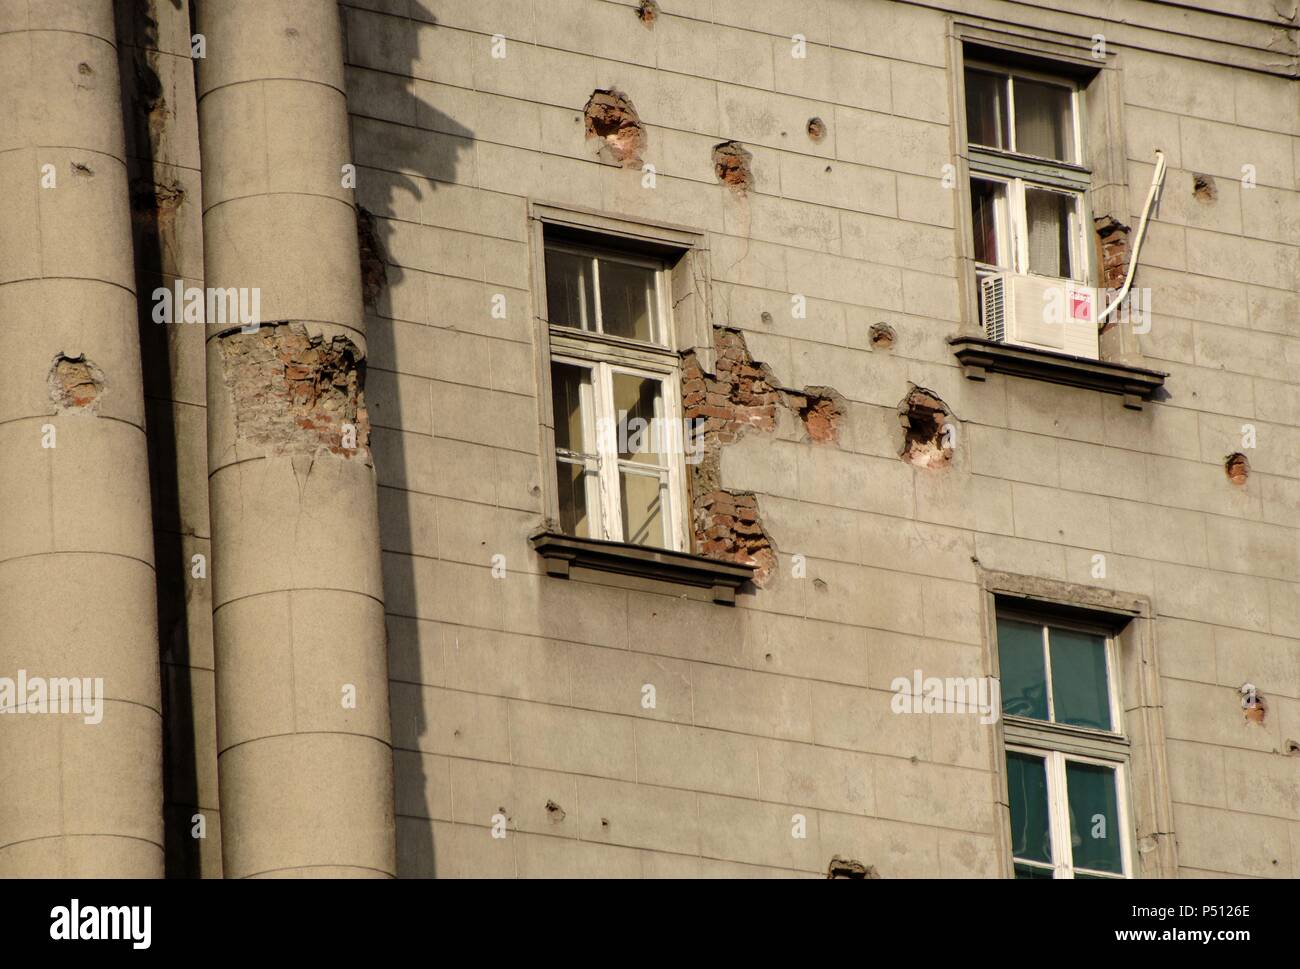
x,y
742,394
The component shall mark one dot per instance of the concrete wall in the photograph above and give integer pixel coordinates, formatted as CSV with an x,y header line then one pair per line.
x,y
521,696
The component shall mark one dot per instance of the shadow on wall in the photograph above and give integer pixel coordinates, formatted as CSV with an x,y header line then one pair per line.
x,y
155,201
429,144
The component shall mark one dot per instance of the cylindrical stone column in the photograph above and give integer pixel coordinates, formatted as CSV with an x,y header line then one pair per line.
x,y
305,759
80,792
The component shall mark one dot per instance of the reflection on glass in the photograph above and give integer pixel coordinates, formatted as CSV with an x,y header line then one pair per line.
x,y
1024,676
1094,817
642,500
574,516
570,298
1080,692
627,300
636,402
1031,838
986,117
984,197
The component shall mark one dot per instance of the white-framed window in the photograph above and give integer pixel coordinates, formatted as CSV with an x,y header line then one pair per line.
x,y
615,395
1028,181
1067,757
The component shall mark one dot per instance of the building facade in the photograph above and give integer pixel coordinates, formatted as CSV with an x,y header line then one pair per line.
x,y
650,438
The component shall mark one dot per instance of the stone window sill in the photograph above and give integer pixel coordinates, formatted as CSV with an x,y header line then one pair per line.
x,y
980,357
682,568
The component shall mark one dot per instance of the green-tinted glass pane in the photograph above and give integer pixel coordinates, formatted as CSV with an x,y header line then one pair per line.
x,y
1094,816
1088,876
1027,787
1080,694
1024,678
1032,871
570,299
627,300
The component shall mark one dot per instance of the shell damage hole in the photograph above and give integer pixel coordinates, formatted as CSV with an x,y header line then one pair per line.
x,y
1237,468
647,11
816,129
1204,188
1113,237
928,429
732,165
882,336
612,118
297,393
850,868
741,395
76,384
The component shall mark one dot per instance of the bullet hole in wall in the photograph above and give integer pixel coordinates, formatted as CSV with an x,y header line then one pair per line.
x,y
849,868
927,429
1237,468
75,384
611,117
732,164
816,129
1252,703
882,336
555,812
647,11
1204,188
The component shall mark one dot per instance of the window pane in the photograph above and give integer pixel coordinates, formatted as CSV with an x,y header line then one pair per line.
x,y
572,478
570,300
572,481
567,382
1033,871
1080,694
985,198
986,115
636,406
627,300
1048,216
1024,678
643,512
1044,124
1094,816
1031,838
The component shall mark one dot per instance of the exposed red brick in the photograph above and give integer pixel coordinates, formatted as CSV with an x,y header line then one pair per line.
x,y
294,392
1237,468
924,418
742,395
76,384
611,117
1113,237
732,165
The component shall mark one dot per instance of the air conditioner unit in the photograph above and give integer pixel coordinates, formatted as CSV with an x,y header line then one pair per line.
x,y
1040,312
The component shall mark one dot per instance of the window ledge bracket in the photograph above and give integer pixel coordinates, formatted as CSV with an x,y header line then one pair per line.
x,y
980,356
560,552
